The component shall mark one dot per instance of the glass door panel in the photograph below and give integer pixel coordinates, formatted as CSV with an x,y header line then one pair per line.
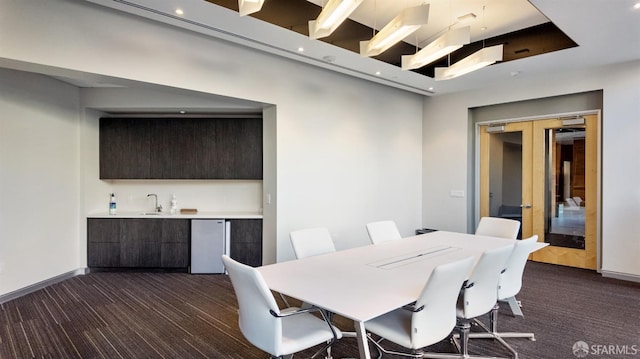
x,y
564,214
505,176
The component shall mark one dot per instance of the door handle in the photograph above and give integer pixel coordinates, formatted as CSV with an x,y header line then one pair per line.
x,y
526,205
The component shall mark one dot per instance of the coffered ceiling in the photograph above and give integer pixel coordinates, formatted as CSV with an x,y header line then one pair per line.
x,y
539,36
516,24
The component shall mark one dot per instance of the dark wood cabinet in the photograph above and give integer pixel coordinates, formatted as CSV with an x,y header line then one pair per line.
x,y
175,241
161,243
138,243
237,149
172,143
103,245
246,241
125,149
181,148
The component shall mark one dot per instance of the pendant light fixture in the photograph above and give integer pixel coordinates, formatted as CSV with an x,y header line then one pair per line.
x,y
475,61
246,7
403,25
331,16
442,46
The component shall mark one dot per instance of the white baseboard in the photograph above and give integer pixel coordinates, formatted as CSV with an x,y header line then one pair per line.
x,y
622,276
45,283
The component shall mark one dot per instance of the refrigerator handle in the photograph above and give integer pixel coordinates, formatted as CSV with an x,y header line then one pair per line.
x,y
227,238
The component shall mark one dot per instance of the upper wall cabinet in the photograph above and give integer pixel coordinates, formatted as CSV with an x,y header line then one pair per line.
x,y
181,148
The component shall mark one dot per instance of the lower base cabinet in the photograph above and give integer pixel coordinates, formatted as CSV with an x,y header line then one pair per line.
x,y
161,243
246,241
138,243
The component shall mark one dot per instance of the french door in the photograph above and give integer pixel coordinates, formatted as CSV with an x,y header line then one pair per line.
x,y
544,173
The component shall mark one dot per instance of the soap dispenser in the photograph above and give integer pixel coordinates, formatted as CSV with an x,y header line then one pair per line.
x,y
174,205
112,204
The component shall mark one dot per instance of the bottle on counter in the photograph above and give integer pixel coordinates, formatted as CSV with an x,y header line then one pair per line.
x,y
112,204
174,205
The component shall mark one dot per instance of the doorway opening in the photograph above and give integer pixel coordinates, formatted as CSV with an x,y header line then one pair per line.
x,y
545,173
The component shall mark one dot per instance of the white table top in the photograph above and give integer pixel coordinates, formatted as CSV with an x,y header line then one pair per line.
x,y
364,282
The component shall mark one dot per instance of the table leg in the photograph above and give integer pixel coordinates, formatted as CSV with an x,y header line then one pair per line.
x,y
363,345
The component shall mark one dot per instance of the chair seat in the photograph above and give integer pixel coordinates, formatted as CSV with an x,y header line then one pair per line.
x,y
431,319
302,331
463,312
263,324
394,326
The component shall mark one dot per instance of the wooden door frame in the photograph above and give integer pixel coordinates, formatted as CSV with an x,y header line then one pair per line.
x,y
582,258
593,151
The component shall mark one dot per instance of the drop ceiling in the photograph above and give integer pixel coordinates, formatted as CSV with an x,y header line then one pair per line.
x,y
516,24
540,36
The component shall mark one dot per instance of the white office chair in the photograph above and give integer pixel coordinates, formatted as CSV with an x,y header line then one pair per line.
x,y
279,333
311,242
479,295
498,227
504,228
431,318
578,201
509,285
382,231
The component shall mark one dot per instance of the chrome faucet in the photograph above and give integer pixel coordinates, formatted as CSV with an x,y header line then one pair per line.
x,y
158,207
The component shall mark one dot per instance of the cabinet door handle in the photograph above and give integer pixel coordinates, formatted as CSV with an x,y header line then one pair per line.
x,y
526,205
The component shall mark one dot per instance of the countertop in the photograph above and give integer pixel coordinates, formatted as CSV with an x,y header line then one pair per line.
x,y
167,215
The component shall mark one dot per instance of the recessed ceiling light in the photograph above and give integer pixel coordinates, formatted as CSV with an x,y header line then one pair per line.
x,y
179,12
636,6
182,111
300,49
430,88
378,73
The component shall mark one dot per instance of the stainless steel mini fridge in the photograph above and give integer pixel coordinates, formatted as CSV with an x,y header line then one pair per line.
x,y
208,244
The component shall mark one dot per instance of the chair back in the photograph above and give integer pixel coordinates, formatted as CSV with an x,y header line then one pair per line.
x,y
311,242
498,227
480,293
382,231
437,317
255,301
511,280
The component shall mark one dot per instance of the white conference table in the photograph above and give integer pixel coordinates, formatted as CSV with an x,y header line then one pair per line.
x,y
364,282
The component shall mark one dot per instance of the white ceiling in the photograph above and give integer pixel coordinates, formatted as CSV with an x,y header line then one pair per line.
x,y
606,31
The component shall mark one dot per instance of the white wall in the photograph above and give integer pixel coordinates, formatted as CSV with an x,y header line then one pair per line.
x,y
39,179
621,170
446,146
348,151
444,164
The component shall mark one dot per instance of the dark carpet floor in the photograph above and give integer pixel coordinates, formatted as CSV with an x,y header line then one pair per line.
x,y
176,315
